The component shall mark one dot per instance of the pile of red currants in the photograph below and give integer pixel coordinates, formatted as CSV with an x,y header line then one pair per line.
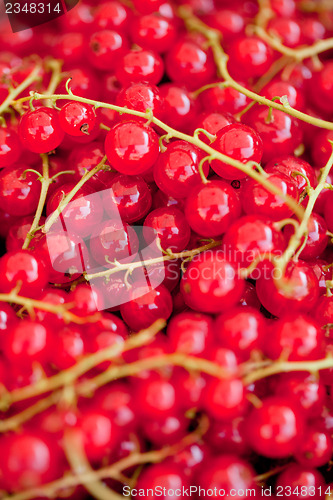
x,y
166,242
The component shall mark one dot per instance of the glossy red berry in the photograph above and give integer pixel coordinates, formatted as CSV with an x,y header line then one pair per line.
x,y
77,119
28,460
129,196
191,333
145,305
176,171
141,96
22,269
40,130
153,32
112,15
223,100
212,123
27,342
287,30
81,215
211,283
140,66
242,329
164,475
316,449
240,143
131,147
259,200
112,240
297,337
251,236
188,64
290,165
180,109
280,132
227,473
249,57
10,147
211,208
19,191
170,226
105,49
280,88
225,399
297,289
296,476
275,429
229,22
317,238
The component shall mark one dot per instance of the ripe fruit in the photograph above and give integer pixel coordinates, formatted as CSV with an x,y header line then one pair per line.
x,y
77,118
40,130
131,147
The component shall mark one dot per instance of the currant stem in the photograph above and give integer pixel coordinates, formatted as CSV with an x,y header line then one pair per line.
x,y
31,304
63,204
69,376
46,181
171,132
112,471
32,77
169,256
221,60
301,230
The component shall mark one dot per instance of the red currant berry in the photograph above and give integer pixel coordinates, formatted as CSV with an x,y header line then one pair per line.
x,y
77,118
211,283
28,342
140,66
180,109
279,132
105,49
241,329
287,30
69,347
131,147
129,196
298,289
188,64
240,143
190,333
225,399
275,429
307,389
112,240
170,226
250,237
28,460
81,215
112,15
19,191
211,208
23,269
176,170
155,397
141,96
316,449
227,473
40,130
317,238
229,22
146,304
83,83
297,477
97,433
290,165
222,99
118,402
212,123
70,47
258,199
280,88
153,32
249,57
167,476
10,147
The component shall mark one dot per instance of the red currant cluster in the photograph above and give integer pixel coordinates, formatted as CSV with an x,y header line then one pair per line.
x,y
197,352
